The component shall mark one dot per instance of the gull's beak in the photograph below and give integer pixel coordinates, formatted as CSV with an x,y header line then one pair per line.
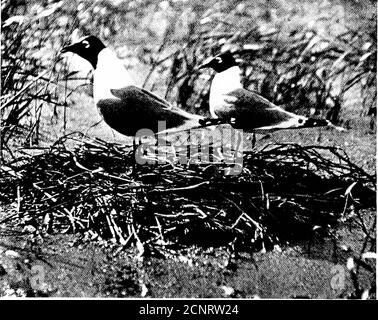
x,y
70,48
206,63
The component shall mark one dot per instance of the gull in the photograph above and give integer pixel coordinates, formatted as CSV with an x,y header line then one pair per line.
x,y
124,106
245,109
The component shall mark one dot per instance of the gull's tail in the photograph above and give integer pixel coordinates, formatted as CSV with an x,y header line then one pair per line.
x,y
196,122
311,123
306,123
205,122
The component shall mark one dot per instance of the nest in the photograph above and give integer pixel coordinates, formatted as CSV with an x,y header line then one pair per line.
x,y
283,193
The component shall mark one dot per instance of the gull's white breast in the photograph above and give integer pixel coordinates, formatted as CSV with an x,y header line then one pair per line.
x,y
110,74
223,83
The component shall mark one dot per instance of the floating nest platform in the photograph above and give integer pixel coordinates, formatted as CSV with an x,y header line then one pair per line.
x,y
283,193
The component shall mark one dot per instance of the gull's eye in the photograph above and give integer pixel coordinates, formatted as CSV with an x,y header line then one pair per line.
x,y
86,44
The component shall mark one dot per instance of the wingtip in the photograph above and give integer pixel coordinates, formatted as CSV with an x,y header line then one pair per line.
x,y
209,122
338,128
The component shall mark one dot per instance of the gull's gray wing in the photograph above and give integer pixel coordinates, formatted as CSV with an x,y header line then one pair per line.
x,y
250,110
133,108
146,92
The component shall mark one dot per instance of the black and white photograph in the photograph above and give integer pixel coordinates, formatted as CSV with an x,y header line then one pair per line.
x,y
221,151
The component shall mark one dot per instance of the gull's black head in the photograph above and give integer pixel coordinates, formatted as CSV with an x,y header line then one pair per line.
x,y
87,47
221,62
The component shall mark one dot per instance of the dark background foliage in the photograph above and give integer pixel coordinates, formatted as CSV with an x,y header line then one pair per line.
x,y
313,57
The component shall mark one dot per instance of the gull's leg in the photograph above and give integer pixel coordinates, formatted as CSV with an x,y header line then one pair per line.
x,y
134,154
135,150
320,136
170,150
221,148
239,142
253,140
134,144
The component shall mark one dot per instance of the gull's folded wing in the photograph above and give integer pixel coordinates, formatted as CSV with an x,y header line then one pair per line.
x,y
251,111
133,108
148,93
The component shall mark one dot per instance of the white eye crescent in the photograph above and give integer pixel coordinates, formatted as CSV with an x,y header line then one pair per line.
x,y
86,44
218,59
